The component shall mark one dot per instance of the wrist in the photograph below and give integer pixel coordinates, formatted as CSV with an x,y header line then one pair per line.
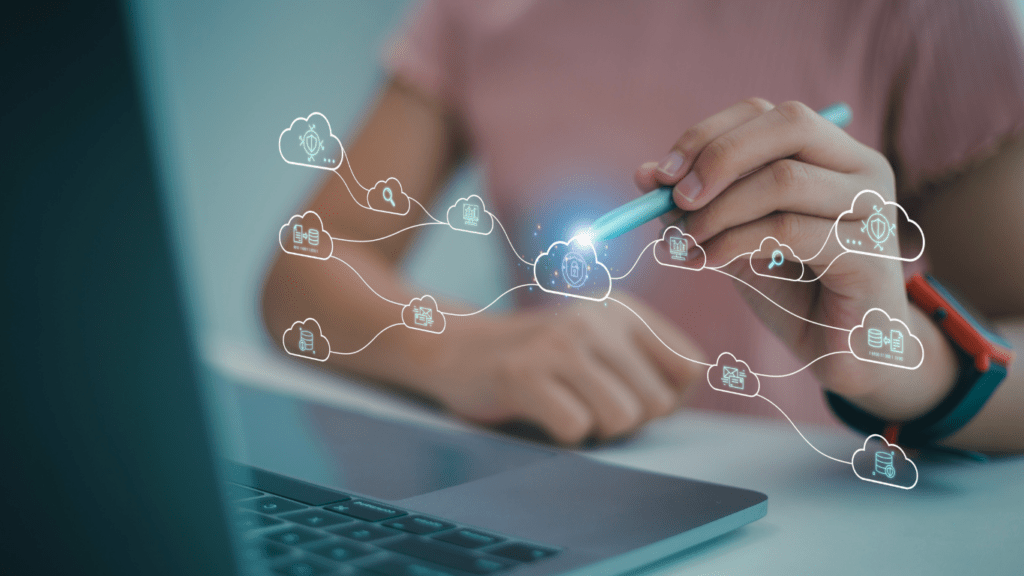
x,y
911,393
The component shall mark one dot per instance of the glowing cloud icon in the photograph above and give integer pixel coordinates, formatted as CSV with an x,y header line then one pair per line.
x,y
305,236
305,340
884,463
733,376
881,339
387,196
310,142
469,215
422,314
875,233
572,269
776,260
678,249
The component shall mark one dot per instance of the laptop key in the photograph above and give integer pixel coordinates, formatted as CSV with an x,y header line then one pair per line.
x,y
363,532
445,555
252,521
271,505
418,525
317,518
366,510
341,551
523,552
468,538
295,535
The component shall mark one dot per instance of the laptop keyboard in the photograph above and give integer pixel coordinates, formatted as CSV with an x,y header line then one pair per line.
x,y
299,529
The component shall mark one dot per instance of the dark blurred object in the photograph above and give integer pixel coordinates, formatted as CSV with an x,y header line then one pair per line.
x,y
106,468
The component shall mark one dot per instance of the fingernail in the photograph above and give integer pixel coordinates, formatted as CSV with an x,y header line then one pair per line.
x,y
689,187
671,164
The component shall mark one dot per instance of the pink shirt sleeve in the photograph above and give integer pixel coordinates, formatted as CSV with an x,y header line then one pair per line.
x,y
423,52
963,89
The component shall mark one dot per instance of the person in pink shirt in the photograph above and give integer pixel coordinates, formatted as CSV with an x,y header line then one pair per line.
x,y
575,107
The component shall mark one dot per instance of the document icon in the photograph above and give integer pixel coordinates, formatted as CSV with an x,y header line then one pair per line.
x,y
896,342
733,377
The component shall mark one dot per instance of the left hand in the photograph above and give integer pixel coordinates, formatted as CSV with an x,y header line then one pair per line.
x,y
756,170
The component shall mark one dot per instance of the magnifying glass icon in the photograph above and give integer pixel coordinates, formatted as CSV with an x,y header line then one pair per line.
x,y
777,259
388,197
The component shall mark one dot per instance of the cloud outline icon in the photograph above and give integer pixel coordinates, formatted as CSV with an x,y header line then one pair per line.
x,y
303,236
306,336
550,263
881,468
718,373
664,245
907,345
876,218
376,196
478,214
788,256
308,143
413,317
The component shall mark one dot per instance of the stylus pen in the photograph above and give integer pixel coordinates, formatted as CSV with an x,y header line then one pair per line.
x,y
659,202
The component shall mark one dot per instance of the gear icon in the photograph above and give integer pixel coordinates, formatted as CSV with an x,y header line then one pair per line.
x,y
878,228
311,142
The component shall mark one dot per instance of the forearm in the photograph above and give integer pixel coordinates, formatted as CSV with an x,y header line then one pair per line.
x,y
350,314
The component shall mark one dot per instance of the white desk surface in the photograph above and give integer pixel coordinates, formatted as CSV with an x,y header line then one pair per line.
x,y
962,517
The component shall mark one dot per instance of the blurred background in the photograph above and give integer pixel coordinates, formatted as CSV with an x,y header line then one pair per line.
x,y
225,79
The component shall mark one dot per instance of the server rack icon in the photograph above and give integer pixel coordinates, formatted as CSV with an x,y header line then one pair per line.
x,y
306,341
883,464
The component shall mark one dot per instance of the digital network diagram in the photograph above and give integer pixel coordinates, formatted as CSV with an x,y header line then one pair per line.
x,y
571,268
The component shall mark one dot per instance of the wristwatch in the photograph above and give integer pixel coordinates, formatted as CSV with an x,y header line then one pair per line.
x,y
984,358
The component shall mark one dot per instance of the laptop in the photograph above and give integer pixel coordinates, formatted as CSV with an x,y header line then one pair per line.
x,y
112,462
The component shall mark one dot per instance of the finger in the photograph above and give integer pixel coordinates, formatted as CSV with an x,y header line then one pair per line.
x,y
555,408
616,408
810,237
785,185
790,129
680,158
645,177
627,361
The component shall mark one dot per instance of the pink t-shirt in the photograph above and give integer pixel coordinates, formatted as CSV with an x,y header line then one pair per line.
x,y
561,101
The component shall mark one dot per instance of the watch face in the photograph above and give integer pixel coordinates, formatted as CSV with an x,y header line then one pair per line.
x,y
968,312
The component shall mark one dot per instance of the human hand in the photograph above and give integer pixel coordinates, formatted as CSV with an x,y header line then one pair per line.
x,y
756,170
587,370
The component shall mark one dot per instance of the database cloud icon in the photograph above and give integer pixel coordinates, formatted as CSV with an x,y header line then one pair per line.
x,y
305,340
304,235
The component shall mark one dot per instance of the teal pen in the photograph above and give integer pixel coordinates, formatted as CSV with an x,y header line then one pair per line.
x,y
638,212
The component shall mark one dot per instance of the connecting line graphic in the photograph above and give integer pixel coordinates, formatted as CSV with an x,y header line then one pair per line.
x,y
492,302
738,256
793,314
361,205
514,251
847,462
799,370
825,271
425,211
389,235
638,257
367,345
672,350
367,283
352,172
